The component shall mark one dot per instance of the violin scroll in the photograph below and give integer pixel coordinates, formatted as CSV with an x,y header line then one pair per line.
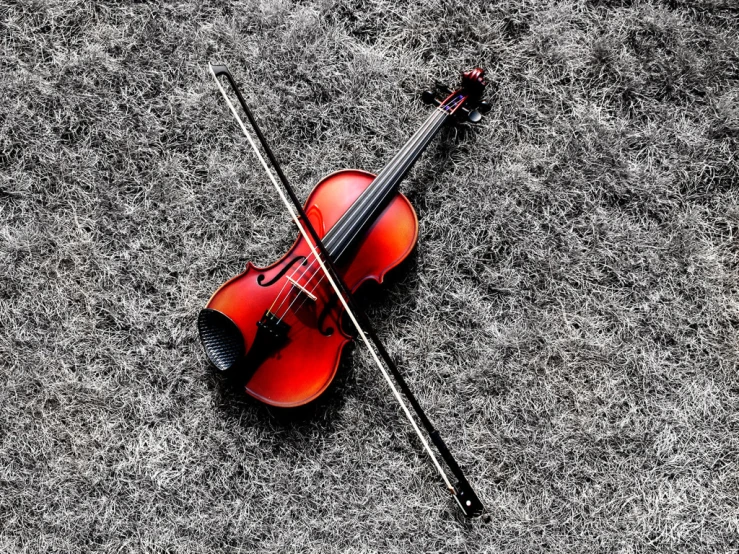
x,y
473,81
472,107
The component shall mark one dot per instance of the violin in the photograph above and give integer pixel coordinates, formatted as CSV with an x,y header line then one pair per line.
x,y
279,330
281,326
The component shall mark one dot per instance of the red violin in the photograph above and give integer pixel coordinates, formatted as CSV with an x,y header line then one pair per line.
x,y
280,327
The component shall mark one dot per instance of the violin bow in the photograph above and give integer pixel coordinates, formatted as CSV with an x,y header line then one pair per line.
x,y
462,491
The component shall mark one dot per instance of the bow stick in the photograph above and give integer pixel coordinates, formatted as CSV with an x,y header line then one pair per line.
x,y
462,492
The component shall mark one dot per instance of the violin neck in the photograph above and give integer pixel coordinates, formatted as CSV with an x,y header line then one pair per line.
x,y
374,199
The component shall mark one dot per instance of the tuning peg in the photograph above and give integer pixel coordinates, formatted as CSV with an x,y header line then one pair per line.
x,y
483,107
429,97
474,116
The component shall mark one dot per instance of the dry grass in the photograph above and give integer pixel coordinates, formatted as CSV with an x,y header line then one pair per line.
x,y
569,319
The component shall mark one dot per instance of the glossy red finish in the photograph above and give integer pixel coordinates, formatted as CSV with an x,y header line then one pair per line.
x,y
473,80
304,367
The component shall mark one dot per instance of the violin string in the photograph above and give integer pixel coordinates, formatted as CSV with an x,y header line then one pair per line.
x,y
351,217
406,160
360,212
279,293
341,298
399,158
382,179
447,107
384,193
317,284
286,283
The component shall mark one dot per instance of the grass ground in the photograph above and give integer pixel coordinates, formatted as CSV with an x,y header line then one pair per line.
x,y
570,318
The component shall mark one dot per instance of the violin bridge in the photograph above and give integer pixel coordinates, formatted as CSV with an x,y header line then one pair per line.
x,y
302,288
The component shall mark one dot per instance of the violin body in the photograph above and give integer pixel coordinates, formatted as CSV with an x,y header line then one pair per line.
x,y
278,329
302,366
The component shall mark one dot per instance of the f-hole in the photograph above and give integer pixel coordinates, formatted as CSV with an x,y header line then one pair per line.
x,y
282,272
327,307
